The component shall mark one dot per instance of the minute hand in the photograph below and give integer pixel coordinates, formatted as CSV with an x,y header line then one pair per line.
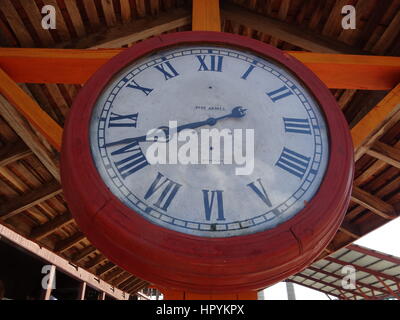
x,y
237,112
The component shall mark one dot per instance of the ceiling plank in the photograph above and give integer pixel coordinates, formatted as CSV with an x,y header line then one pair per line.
x,y
106,268
65,244
130,32
12,152
16,24
76,66
91,11
95,261
206,15
109,12
29,199
83,254
30,110
49,227
293,34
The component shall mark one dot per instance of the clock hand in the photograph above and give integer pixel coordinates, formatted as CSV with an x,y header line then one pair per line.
x,y
237,112
141,138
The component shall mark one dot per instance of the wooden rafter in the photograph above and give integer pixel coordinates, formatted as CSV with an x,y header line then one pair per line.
x,y
106,268
44,230
293,34
96,261
75,66
83,254
29,136
128,33
68,243
373,203
386,153
29,199
372,126
30,110
13,152
206,15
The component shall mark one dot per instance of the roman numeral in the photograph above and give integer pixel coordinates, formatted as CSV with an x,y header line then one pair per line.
x,y
211,64
260,191
133,84
210,203
167,70
169,190
132,163
246,74
297,125
293,162
279,93
118,120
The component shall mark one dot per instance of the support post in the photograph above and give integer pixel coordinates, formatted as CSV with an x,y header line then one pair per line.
x,y
82,291
206,15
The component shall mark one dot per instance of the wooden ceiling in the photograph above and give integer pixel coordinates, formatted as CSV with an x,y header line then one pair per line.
x,y
31,198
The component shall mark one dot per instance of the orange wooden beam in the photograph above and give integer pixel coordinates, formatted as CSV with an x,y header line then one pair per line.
x,y
50,129
75,66
378,115
206,15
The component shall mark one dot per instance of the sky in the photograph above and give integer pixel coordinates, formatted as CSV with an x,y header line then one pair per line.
x,y
384,239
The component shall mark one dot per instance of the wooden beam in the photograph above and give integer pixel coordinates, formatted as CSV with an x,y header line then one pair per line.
x,y
47,228
106,268
83,254
374,123
95,261
76,66
206,15
293,34
112,275
30,110
68,243
13,152
373,203
29,199
344,71
128,33
62,264
29,136
386,153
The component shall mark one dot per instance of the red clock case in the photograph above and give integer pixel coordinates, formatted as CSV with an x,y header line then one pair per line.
x,y
180,261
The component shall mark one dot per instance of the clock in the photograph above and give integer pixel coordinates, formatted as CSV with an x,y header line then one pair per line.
x,y
207,162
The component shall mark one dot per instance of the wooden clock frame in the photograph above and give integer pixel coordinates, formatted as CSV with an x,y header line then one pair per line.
x,y
180,261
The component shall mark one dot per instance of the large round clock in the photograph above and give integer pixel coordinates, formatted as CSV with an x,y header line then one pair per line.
x,y
207,162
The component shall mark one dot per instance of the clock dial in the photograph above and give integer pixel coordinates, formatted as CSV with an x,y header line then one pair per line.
x,y
206,87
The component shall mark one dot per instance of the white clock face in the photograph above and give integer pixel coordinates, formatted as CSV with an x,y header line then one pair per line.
x,y
208,87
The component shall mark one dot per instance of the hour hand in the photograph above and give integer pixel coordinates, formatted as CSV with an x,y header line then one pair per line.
x,y
160,134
